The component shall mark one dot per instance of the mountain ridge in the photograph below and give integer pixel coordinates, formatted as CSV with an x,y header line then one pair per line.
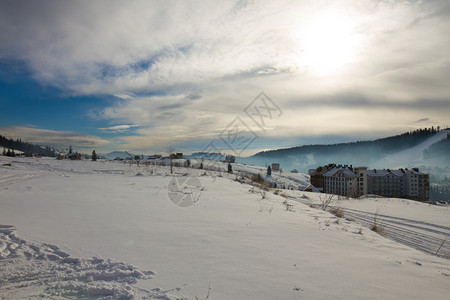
x,y
404,150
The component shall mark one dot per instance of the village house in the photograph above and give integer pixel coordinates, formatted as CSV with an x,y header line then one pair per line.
x,y
177,155
230,159
275,167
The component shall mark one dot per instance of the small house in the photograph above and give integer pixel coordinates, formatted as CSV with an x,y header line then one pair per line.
x,y
230,159
74,156
312,188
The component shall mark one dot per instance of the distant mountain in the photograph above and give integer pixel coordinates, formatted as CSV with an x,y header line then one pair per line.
x,y
416,148
114,154
206,155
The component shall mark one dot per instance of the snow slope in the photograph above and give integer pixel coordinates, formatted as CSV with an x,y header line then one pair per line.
x,y
110,230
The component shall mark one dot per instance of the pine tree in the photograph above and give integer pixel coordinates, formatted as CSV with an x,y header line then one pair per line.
x,y
269,171
29,153
230,169
94,156
70,149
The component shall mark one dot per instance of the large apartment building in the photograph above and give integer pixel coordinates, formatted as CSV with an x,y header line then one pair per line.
x,y
348,181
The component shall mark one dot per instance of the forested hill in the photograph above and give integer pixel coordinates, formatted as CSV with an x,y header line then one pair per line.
x,y
440,149
356,153
18,145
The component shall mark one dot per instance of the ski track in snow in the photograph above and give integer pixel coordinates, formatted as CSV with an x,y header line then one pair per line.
x,y
420,235
31,270
6,181
424,236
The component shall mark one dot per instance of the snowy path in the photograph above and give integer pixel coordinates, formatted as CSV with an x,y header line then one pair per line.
x,y
424,236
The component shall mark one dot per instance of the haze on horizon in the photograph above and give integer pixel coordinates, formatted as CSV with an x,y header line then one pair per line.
x,y
147,75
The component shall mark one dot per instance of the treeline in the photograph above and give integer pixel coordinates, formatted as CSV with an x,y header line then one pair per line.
x,y
9,145
406,140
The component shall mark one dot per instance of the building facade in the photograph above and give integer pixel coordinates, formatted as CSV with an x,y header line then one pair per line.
x,y
347,181
387,183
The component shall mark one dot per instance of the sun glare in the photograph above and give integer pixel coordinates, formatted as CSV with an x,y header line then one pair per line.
x,y
327,43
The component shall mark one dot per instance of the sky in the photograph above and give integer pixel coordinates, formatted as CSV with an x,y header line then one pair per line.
x,y
233,76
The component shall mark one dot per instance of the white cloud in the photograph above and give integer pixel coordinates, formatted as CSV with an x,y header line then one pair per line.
x,y
117,128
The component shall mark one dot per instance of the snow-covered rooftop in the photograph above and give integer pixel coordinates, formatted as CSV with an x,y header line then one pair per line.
x,y
381,173
345,170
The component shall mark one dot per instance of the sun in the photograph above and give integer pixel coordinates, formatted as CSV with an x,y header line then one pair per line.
x,y
328,42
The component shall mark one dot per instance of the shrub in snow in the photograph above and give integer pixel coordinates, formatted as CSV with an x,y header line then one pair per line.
x,y
337,211
280,193
258,179
378,228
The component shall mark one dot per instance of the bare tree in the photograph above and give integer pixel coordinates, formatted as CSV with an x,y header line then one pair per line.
x,y
170,151
326,200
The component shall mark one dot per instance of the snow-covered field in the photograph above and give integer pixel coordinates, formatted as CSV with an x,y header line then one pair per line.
x,y
82,229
